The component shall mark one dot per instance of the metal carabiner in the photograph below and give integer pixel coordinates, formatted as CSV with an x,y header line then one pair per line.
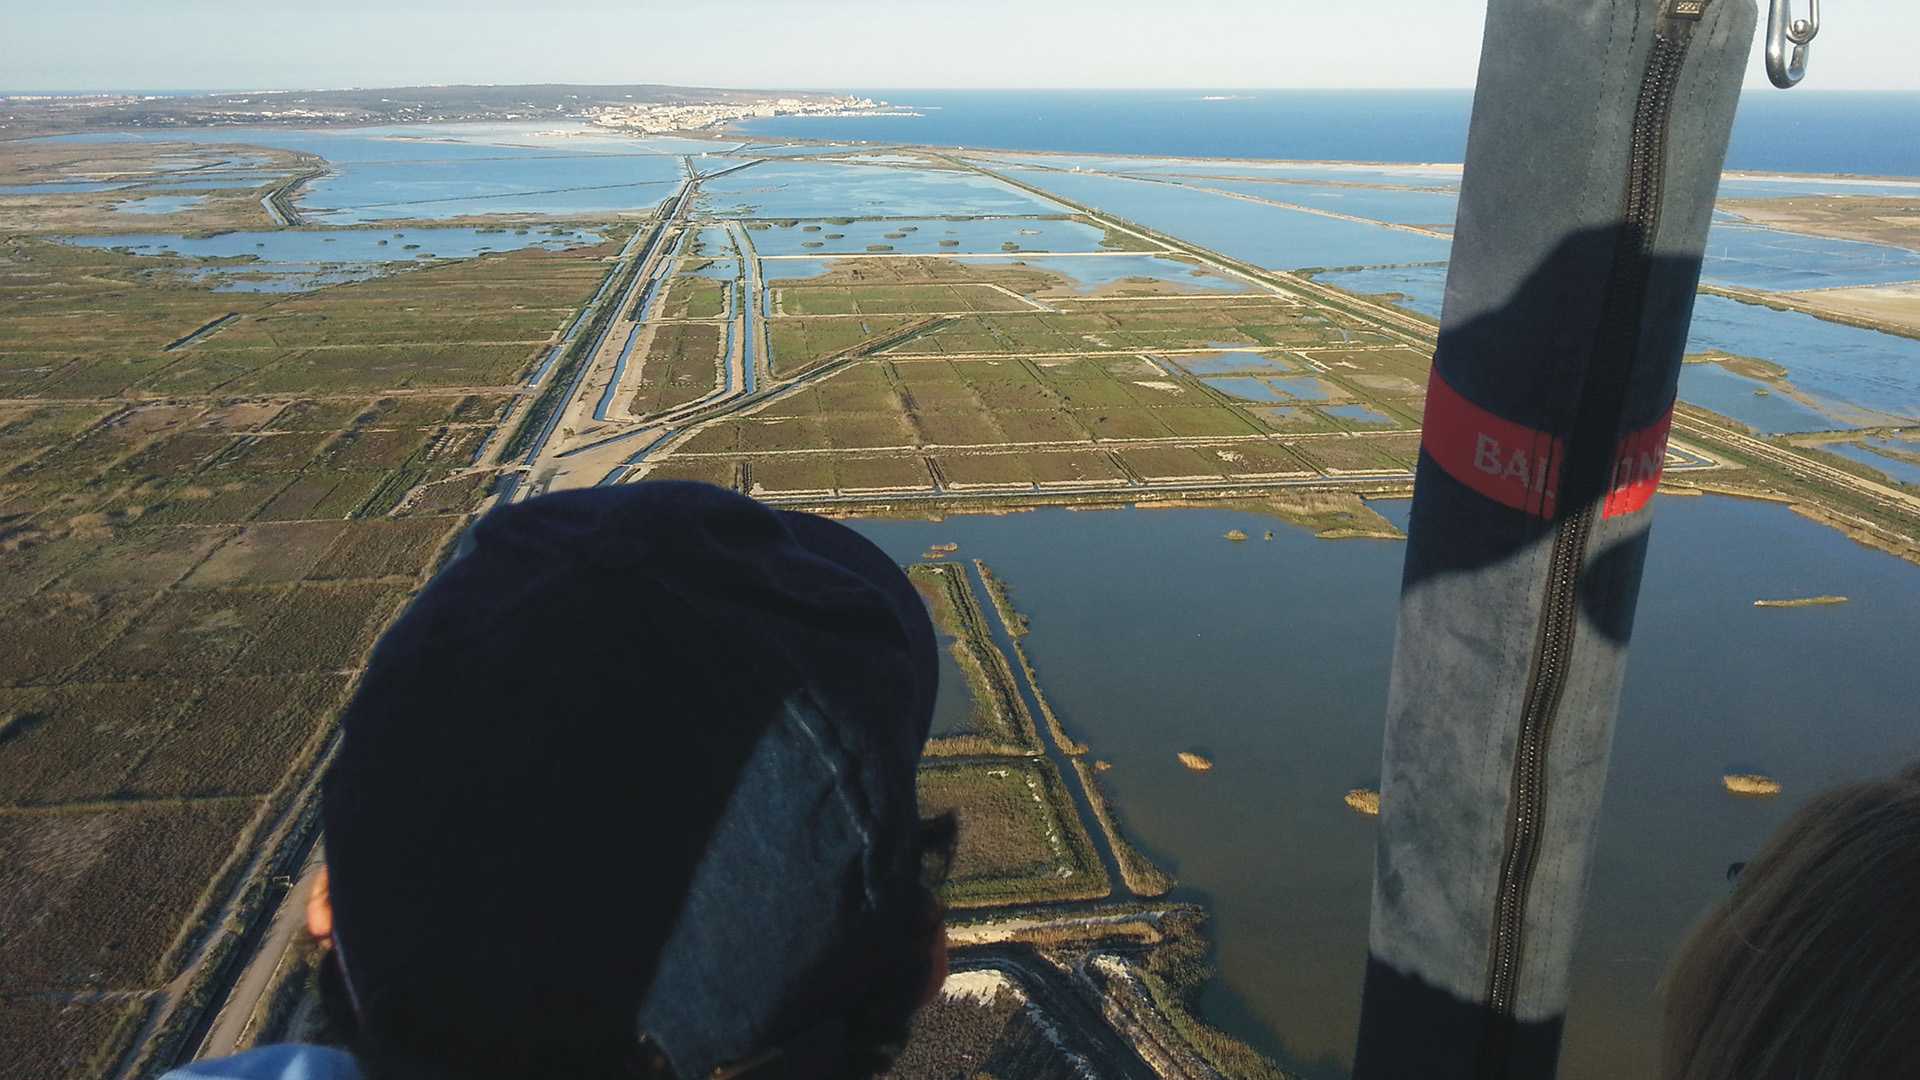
x,y
1787,39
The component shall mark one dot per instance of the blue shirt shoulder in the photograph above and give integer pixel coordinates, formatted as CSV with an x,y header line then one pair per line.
x,y
289,1062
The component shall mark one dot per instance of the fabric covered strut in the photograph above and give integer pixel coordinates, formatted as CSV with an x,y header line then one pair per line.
x,y
1598,134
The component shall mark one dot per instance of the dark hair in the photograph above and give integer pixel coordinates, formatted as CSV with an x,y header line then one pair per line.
x,y
1810,970
877,1024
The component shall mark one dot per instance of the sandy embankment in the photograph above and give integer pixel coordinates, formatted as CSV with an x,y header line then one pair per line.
x,y
1896,305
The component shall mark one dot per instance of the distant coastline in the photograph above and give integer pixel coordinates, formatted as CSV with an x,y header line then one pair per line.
x,y
1848,133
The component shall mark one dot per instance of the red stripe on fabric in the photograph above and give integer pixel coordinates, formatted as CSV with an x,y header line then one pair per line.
x,y
1637,465
1512,464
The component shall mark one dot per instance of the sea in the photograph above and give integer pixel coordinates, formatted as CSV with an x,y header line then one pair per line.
x,y
1801,130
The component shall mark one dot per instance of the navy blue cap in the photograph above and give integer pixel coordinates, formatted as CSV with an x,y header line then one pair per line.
x,y
635,769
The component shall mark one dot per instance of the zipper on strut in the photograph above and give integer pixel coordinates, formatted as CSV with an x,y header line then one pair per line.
x,y
1595,426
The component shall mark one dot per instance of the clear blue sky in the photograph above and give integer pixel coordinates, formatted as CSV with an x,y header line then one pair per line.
x,y
156,44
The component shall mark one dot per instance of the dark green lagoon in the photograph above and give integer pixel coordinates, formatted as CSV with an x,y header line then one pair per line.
x,y
1152,634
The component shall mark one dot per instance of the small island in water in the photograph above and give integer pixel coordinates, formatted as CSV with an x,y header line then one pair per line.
x,y
1802,601
1751,784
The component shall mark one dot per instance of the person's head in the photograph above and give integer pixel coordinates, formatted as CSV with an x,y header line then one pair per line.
x,y
1810,970
629,791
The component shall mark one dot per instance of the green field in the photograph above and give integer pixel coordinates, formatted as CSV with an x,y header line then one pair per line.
x,y
1023,421
200,544
798,345
692,297
682,364
893,300
996,720
1020,841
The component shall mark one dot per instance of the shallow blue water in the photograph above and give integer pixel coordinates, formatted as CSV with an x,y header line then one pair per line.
x,y
1092,272
1785,186
1737,255
1864,369
778,150
1398,207
442,171
1364,415
1751,401
523,184
1422,286
1303,387
809,189
1441,177
201,181
1244,386
930,236
1233,360
159,204
1437,178
64,187
1905,472
305,258
1867,374
1267,236
795,269
1757,258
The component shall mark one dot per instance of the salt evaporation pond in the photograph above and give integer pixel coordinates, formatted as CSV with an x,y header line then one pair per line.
x,y
1092,272
579,184
1272,659
62,187
1752,257
927,236
1751,401
1778,187
1425,176
294,259
776,271
1421,287
1740,256
809,190
1246,387
159,204
1267,236
1359,415
1233,360
1874,373
715,245
1896,469
1869,377
764,150
448,171
201,181
1377,204
1303,387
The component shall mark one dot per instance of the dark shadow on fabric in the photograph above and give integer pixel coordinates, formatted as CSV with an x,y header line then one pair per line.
x,y
1610,589
1413,1030
1552,361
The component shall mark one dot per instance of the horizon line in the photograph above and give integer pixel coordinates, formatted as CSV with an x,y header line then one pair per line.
x,y
184,91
